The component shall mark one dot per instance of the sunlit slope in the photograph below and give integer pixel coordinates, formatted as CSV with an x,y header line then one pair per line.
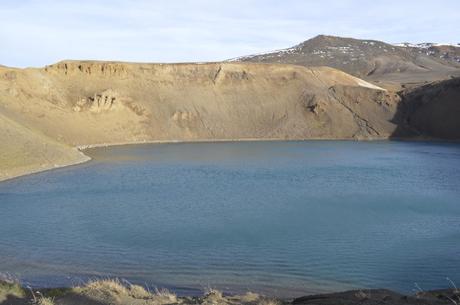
x,y
81,103
24,151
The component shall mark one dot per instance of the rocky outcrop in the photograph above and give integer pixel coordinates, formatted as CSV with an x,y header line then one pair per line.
x,y
88,67
108,100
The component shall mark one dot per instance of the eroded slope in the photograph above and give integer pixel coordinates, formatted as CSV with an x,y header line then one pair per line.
x,y
82,103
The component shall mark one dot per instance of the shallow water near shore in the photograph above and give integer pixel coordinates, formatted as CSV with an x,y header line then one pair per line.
x,y
281,218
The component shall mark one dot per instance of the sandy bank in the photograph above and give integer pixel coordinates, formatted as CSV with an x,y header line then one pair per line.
x,y
30,170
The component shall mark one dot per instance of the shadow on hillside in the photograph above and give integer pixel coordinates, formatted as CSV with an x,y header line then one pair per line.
x,y
402,120
431,111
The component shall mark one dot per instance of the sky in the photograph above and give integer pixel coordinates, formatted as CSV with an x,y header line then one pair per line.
x,y
35,33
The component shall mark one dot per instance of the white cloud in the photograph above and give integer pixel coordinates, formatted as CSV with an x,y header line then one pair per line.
x,y
35,33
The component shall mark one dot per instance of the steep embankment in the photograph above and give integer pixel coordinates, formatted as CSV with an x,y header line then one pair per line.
x,y
432,110
86,103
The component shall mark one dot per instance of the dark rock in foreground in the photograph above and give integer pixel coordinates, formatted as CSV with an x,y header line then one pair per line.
x,y
381,296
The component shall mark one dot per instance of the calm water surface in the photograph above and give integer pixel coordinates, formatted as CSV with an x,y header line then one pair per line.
x,y
284,218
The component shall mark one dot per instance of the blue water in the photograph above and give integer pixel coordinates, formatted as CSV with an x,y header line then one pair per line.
x,y
284,218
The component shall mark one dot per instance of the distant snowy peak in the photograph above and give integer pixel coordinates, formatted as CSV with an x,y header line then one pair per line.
x,y
444,51
362,57
272,53
426,45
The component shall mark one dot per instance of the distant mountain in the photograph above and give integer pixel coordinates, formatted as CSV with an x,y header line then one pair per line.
x,y
445,52
373,60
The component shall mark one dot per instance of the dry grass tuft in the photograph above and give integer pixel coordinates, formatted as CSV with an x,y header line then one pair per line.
x,y
115,292
13,289
249,297
109,285
139,292
111,290
269,302
214,297
164,296
211,292
44,301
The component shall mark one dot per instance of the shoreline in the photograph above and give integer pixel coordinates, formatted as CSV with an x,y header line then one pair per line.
x,y
44,168
85,158
99,145
119,292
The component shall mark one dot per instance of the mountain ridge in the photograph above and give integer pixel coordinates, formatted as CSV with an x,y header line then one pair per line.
x,y
372,60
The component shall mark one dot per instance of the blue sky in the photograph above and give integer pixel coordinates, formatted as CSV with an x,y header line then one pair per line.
x,y
40,32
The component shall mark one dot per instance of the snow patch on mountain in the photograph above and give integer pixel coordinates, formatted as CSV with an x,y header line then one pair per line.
x,y
425,45
272,53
